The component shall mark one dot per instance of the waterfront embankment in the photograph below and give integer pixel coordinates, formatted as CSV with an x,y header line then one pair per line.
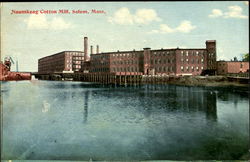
x,y
207,81
136,79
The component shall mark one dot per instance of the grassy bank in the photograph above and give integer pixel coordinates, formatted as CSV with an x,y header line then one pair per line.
x,y
204,81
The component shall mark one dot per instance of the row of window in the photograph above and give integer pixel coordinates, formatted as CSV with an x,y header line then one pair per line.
x,y
125,69
125,62
102,56
154,53
78,58
193,53
73,66
211,54
165,69
51,65
187,68
75,58
77,66
159,61
210,62
198,61
125,55
100,70
241,65
162,53
74,62
99,63
74,54
222,64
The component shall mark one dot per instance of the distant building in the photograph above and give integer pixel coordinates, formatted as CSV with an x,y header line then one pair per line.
x,y
232,67
66,61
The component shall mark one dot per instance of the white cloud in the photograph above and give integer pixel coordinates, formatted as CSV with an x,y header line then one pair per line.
x,y
40,22
142,16
122,16
184,27
166,29
216,13
233,12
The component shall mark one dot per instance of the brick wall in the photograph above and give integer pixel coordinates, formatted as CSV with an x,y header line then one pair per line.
x,y
227,67
63,61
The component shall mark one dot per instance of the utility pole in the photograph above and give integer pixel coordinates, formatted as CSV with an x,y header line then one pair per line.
x,y
16,65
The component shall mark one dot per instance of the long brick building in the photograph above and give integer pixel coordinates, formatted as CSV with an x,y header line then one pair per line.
x,y
175,61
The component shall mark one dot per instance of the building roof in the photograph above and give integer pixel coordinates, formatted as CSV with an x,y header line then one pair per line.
x,y
179,49
230,61
115,52
62,52
210,40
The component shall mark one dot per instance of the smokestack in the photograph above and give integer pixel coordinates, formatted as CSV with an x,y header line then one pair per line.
x,y
97,49
91,49
85,48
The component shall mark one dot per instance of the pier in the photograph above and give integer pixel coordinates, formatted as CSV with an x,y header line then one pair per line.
x,y
121,78
133,78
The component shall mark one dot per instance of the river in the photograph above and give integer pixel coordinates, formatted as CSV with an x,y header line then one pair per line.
x,y
54,120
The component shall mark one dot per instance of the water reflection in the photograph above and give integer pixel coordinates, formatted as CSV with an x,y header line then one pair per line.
x,y
210,105
149,99
143,122
86,104
173,98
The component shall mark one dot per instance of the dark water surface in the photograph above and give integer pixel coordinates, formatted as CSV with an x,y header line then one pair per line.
x,y
82,121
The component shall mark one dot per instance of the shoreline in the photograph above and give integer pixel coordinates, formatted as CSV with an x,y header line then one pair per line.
x,y
206,81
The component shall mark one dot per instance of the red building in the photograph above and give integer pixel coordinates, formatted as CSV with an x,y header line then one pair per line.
x,y
66,61
232,67
177,61
152,62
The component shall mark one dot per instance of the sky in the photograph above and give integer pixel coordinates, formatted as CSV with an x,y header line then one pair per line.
x,y
121,26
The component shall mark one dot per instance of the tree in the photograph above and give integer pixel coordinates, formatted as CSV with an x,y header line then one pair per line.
x,y
245,57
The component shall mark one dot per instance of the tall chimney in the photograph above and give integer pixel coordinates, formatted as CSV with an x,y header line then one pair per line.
x,y
97,49
85,48
91,50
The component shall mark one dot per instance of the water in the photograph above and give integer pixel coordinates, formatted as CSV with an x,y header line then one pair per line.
x,y
83,121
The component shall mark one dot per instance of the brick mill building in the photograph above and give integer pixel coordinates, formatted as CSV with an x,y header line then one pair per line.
x,y
66,61
153,62
176,61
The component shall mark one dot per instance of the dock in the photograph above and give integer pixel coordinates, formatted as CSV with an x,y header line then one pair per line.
x,y
137,78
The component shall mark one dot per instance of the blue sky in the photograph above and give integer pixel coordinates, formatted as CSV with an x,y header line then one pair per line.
x,y
123,26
